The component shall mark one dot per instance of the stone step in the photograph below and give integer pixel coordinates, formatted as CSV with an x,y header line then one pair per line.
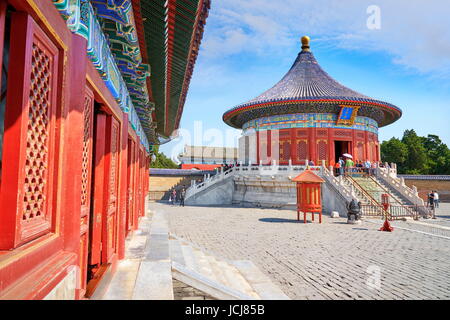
x,y
210,287
263,286
189,257
154,281
203,266
217,270
236,280
124,280
176,252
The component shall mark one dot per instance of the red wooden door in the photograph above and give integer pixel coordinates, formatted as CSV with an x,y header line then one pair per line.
x,y
112,191
86,180
97,195
130,184
105,196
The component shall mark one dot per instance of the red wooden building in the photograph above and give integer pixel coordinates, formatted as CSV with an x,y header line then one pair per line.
x,y
87,88
308,115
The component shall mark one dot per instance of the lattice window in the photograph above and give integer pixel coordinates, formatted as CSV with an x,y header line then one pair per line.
x,y
302,133
302,150
284,133
30,159
321,133
285,151
343,133
360,151
322,150
113,190
36,163
87,149
360,135
114,162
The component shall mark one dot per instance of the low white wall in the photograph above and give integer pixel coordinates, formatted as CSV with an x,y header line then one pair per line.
x,y
220,193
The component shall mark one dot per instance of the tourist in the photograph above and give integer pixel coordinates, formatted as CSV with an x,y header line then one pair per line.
x,y
341,166
311,163
170,196
358,166
174,196
436,199
337,169
182,196
349,164
431,199
367,166
373,168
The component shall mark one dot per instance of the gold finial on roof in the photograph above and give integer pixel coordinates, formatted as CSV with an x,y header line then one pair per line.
x,y
305,43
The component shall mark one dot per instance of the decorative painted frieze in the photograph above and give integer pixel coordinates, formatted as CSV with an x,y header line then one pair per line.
x,y
114,68
309,120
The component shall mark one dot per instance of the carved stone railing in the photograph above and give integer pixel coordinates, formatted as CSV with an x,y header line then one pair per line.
x,y
290,171
339,184
390,178
348,189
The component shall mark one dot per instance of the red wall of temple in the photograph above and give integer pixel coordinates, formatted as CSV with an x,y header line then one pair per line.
x,y
316,144
47,228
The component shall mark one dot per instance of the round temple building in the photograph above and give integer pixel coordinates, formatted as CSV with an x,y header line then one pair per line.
x,y
308,115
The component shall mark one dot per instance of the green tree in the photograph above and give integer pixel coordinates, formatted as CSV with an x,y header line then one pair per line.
x,y
417,161
162,161
417,155
438,155
395,151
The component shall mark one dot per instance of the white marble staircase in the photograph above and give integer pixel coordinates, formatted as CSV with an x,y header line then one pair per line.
x,y
154,258
219,278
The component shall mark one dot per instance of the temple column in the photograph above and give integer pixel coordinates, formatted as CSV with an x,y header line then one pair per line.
x,y
312,144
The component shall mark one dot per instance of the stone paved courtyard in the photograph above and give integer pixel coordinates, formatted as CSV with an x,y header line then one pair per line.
x,y
333,260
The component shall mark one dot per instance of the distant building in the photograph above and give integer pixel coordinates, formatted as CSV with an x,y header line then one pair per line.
x,y
207,158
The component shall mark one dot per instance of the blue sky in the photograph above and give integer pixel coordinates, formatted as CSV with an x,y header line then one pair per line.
x,y
249,45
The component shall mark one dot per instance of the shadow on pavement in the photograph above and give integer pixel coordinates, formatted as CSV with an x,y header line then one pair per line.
x,y
281,220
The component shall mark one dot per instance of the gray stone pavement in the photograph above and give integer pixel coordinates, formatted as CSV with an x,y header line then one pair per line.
x,y
332,260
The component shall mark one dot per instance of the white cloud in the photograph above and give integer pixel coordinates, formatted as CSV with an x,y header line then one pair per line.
x,y
415,32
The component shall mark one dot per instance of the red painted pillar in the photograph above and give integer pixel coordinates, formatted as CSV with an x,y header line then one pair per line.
x,y
293,144
354,146
312,145
72,161
123,190
136,182
331,151
366,146
257,147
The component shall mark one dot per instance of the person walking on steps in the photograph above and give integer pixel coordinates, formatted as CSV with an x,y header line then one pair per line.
x,y
174,196
341,167
182,196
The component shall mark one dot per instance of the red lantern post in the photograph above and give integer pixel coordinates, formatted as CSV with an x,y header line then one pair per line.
x,y
309,197
385,202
